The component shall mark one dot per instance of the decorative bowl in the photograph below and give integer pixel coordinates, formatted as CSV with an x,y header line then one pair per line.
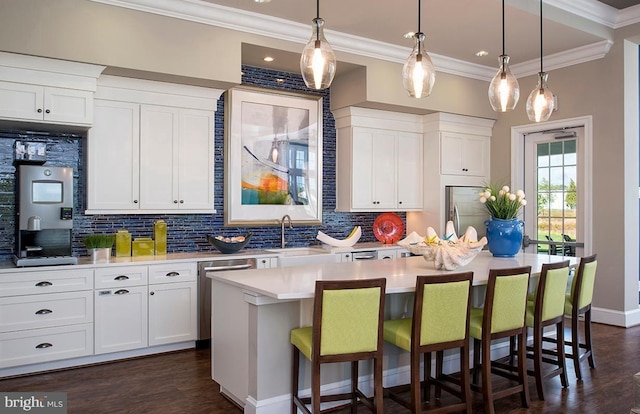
x,y
229,245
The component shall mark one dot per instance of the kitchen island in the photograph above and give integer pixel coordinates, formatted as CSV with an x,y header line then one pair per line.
x,y
253,312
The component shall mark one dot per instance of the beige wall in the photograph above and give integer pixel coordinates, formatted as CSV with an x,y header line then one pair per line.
x,y
155,47
595,88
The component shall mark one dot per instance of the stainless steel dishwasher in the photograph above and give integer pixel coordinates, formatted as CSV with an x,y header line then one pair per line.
x,y
204,292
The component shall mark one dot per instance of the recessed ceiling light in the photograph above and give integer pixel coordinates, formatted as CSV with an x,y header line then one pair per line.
x,y
408,35
482,53
268,59
262,1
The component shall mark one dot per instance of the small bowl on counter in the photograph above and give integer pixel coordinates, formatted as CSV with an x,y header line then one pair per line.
x,y
229,245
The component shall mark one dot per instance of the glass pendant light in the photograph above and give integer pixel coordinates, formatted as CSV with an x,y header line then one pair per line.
x,y
540,103
318,62
504,90
418,72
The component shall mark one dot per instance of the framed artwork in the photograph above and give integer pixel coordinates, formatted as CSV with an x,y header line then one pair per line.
x,y
273,157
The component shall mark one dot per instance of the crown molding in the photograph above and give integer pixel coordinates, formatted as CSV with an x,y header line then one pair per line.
x,y
259,24
562,60
599,12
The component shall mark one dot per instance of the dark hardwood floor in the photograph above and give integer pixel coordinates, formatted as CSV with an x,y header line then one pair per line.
x,y
180,382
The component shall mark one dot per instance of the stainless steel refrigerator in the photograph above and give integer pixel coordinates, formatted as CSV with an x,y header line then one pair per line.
x,y
463,207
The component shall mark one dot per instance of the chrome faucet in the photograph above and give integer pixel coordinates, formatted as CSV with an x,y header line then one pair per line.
x,y
284,218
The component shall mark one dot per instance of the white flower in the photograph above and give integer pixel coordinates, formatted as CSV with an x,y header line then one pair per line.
x,y
520,193
483,199
492,198
487,193
505,188
502,192
512,197
523,202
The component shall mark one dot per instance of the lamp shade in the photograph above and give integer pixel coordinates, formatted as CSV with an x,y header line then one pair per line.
x,y
318,62
540,103
504,91
418,72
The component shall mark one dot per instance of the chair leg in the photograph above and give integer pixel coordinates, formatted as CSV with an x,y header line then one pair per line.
x,y
587,338
476,359
415,382
575,347
487,391
315,386
377,385
354,386
438,374
522,367
562,362
465,379
295,372
537,360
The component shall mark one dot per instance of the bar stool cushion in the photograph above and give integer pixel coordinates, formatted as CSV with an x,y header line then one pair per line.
x,y
441,322
586,291
553,305
343,335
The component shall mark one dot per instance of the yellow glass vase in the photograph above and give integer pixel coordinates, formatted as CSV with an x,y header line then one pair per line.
x,y
160,236
123,243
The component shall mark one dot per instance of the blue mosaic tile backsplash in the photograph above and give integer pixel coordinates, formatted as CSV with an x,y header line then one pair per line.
x,y
186,233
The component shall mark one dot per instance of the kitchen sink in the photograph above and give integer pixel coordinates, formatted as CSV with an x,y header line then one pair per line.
x,y
295,256
299,251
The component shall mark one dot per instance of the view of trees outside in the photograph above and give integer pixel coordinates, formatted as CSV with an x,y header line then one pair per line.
x,y
556,198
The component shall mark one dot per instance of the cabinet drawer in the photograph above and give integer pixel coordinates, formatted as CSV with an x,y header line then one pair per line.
x,y
179,272
20,313
48,344
47,281
121,276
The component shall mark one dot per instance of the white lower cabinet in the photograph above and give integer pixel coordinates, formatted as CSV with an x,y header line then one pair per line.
x,y
172,313
120,319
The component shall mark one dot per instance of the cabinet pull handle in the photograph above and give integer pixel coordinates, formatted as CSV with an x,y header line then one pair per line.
x,y
121,292
135,201
43,284
175,201
121,277
44,345
47,111
152,293
181,201
172,274
44,312
39,110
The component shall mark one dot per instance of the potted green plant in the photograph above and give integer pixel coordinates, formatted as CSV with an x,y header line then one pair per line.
x,y
99,246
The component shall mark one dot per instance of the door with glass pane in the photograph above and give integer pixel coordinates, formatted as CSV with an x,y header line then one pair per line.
x,y
554,189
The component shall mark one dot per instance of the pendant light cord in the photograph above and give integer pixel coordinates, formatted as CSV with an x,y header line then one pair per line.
x,y
419,14
317,17
541,49
503,28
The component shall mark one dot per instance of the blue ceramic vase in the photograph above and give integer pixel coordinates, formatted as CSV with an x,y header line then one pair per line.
x,y
504,236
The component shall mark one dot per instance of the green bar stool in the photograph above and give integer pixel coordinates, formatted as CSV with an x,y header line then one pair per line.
x,y
546,308
440,321
503,316
578,302
347,326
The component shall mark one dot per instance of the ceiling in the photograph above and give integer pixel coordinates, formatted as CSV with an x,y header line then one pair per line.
x,y
455,29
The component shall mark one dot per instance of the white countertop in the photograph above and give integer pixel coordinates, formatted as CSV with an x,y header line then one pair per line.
x,y
8,266
299,282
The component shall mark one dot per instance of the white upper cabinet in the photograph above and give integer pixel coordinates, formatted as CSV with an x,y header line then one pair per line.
x,y
40,90
379,160
464,154
151,148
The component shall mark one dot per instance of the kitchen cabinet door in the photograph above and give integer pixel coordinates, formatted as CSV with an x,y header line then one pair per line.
x,y
120,319
374,169
113,157
45,104
172,313
463,154
176,159
159,129
410,172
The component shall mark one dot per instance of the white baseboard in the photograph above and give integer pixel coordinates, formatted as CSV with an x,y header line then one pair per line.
x,y
616,318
